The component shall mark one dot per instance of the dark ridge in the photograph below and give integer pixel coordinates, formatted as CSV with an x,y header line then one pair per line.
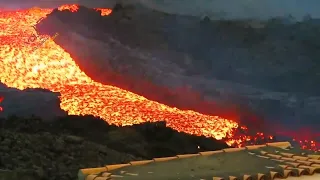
x,y
139,27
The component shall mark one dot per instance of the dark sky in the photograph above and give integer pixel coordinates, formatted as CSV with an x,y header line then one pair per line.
x,y
54,3
262,9
253,9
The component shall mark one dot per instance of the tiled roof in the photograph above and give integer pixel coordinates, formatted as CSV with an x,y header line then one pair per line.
x,y
259,162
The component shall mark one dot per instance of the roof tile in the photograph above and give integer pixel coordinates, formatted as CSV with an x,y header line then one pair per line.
x,y
293,164
255,147
285,173
116,176
300,157
91,177
280,144
308,163
310,169
93,170
136,163
274,175
261,176
102,178
289,155
314,160
314,156
264,162
217,178
106,174
288,159
209,153
233,149
247,177
232,178
274,156
116,166
164,159
187,155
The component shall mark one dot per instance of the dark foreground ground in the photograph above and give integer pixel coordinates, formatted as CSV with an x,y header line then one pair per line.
x,y
33,149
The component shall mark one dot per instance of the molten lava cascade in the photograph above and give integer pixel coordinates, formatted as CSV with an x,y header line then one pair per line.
x,y
50,67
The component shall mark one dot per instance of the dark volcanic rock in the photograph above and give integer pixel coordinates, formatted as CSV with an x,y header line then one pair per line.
x,y
30,102
246,67
58,149
18,174
129,49
132,37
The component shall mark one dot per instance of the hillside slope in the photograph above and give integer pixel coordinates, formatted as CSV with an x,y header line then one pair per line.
x,y
246,70
60,148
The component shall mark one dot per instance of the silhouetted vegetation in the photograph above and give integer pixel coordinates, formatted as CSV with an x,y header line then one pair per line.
x,y
58,149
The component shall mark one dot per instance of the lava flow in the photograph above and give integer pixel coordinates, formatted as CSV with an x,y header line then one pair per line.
x,y
50,67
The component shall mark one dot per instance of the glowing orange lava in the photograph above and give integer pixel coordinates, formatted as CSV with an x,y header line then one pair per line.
x,y
52,68
70,7
74,8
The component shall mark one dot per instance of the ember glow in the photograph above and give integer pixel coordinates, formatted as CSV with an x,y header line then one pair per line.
x,y
74,8
1,99
50,67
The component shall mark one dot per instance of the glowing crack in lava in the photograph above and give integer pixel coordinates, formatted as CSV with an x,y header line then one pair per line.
x,y
52,68
1,99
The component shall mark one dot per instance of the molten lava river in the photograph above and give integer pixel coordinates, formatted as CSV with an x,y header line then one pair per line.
x,y
52,68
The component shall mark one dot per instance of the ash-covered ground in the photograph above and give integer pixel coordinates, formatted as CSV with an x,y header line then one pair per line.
x,y
263,73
